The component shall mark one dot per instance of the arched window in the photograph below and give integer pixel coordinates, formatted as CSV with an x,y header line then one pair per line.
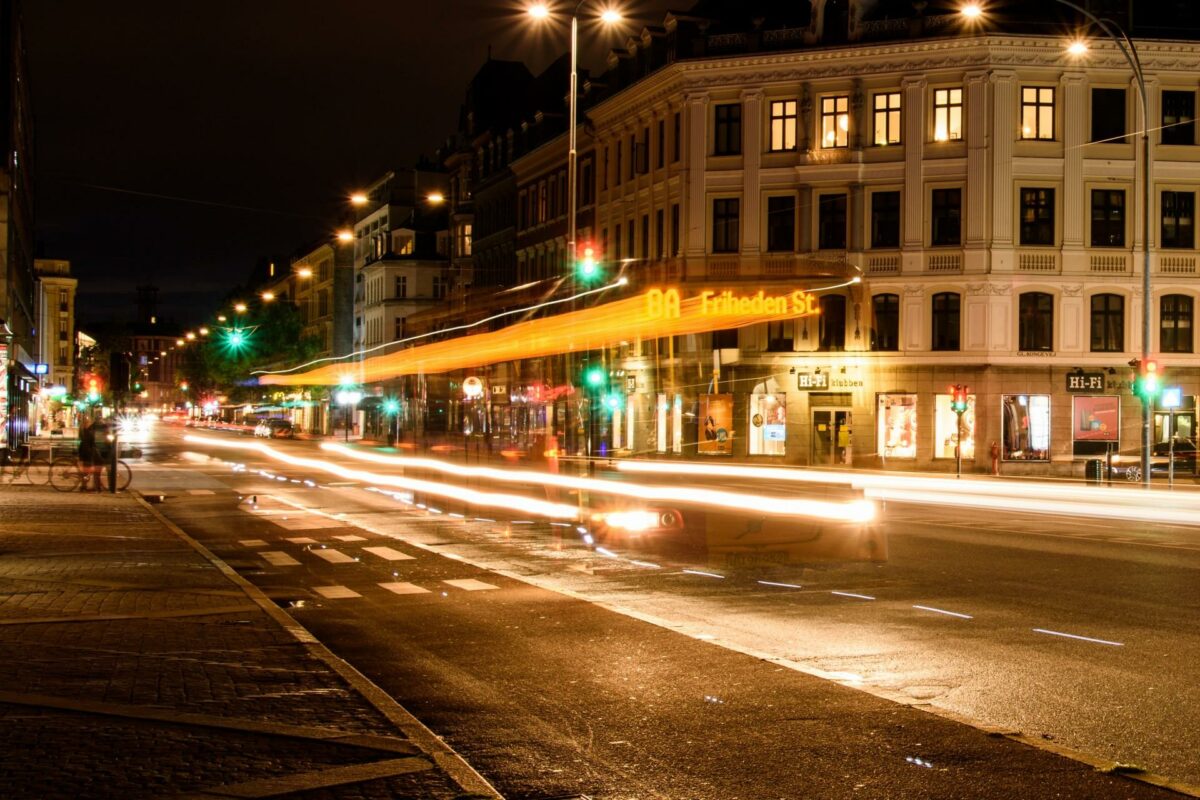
x,y
1035,325
946,321
1108,323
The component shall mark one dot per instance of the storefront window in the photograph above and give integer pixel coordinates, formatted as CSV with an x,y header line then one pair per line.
x,y
945,424
768,424
897,425
669,424
716,425
1026,427
1095,423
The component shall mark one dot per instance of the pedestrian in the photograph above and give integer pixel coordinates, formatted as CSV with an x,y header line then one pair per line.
x,y
89,456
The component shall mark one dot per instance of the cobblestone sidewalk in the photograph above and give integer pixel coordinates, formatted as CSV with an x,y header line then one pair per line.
x,y
133,666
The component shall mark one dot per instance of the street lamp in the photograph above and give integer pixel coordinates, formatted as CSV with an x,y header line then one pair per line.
x,y
1078,48
239,308
345,235
358,199
348,399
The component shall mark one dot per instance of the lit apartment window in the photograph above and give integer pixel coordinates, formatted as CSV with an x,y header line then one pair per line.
x,y
464,239
1178,117
835,121
1178,220
947,115
783,125
887,118
1037,112
1108,218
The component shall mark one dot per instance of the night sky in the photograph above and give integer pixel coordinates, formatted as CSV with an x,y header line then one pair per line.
x,y
177,143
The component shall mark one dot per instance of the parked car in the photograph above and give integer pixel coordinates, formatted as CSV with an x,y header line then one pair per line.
x,y
1128,465
274,429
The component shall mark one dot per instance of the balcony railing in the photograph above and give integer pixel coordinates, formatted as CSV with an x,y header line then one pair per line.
x,y
943,263
1177,265
1109,263
883,263
1037,262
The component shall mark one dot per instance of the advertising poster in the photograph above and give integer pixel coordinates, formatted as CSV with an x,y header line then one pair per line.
x,y
3,395
898,425
716,425
1097,418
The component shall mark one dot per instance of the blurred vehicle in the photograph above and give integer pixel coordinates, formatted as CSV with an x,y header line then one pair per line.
x,y
274,429
1128,465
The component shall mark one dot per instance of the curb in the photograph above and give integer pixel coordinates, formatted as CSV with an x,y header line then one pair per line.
x,y
441,754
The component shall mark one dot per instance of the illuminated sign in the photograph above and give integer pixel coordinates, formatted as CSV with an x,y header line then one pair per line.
x,y
666,304
1172,397
41,369
472,387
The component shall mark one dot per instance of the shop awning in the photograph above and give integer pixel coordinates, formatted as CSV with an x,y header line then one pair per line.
x,y
654,314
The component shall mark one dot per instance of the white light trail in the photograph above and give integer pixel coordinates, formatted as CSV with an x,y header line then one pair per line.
x,y
841,511
705,574
852,594
1080,638
782,585
510,502
944,611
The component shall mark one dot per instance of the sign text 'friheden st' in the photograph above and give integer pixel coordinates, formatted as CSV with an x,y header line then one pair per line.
x,y
666,303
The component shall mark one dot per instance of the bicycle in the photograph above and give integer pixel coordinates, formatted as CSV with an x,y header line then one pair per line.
x,y
66,475
15,465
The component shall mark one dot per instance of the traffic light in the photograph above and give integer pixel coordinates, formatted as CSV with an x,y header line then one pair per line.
x,y
587,267
93,389
594,377
958,398
1147,384
391,407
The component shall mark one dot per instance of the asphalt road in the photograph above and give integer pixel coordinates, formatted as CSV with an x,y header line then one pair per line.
x,y
547,691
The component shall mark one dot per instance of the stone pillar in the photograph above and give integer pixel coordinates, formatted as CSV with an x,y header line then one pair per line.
x,y
694,211
1004,132
912,240
978,194
752,148
1074,126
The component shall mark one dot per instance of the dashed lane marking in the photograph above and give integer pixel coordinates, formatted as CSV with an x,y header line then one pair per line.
x,y
470,584
278,558
334,556
399,587
200,491
252,543
388,554
302,540
351,538
336,592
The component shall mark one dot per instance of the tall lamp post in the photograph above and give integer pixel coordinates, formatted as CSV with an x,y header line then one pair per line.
x,y
973,11
348,399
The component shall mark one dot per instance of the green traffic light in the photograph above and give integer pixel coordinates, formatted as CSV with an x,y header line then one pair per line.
x,y
391,407
594,377
587,267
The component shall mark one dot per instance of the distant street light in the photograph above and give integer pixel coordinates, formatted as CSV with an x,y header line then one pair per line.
x,y
436,198
239,308
345,235
268,296
304,272
348,399
358,199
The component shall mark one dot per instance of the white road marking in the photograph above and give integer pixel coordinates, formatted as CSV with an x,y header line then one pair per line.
x,y
302,540
1080,638
336,592
470,585
333,556
351,538
400,587
200,491
388,554
252,543
852,594
782,585
943,611
705,574
278,558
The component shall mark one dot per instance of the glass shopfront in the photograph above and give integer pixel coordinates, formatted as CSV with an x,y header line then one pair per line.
x,y
1025,426
767,430
897,416
945,424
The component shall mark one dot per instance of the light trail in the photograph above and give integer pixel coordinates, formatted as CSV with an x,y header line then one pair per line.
x,y
944,611
852,594
510,502
855,511
1080,638
1090,501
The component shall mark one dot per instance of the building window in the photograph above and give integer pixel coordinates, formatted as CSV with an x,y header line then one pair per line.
x,y
440,287
1175,323
947,115
781,223
887,118
399,330
464,239
645,236
885,219
1178,220
617,167
662,142
835,121
728,130
1178,117
63,358
1108,115
1108,323
779,336
885,323
832,323
675,134
945,321
587,185
630,246
543,202
634,160
401,286
1108,217
674,229
1037,112
783,125
658,234
1035,327
1037,216
831,222
604,171
945,217
322,303
725,225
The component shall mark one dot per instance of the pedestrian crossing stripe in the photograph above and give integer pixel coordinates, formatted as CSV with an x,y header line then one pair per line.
x,y
400,587
200,491
351,538
336,592
388,554
334,556
278,558
470,585
252,543
302,540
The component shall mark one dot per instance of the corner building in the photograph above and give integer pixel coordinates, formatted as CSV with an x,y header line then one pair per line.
x,y
984,186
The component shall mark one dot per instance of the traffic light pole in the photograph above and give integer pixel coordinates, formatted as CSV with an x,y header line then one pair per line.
x,y
958,447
